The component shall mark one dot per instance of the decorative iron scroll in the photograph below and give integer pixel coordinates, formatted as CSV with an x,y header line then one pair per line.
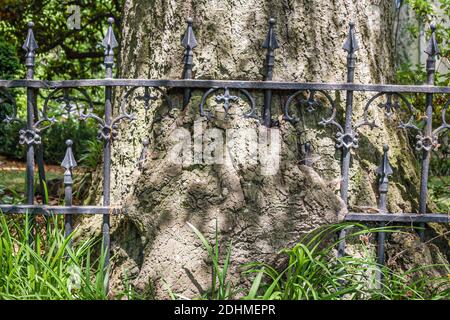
x,y
227,101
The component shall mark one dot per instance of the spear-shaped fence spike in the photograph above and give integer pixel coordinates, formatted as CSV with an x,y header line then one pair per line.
x,y
384,170
351,44
68,163
69,160
433,48
109,43
189,43
30,44
270,44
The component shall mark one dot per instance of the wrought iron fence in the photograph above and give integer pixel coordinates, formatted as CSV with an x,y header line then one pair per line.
x,y
311,96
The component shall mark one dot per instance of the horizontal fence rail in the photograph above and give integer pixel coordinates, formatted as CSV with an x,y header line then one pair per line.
x,y
310,96
231,84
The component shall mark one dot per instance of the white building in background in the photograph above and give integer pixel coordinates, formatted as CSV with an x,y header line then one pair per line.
x,y
410,49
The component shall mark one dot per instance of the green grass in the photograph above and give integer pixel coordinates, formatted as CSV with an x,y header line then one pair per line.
x,y
312,272
440,192
48,267
15,179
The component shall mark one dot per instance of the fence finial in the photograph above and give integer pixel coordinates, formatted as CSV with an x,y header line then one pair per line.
x,y
69,160
433,48
351,44
188,42
109,43
271,42
30,46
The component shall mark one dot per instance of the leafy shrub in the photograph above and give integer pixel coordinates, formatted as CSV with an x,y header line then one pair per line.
x,y
9,62
53,140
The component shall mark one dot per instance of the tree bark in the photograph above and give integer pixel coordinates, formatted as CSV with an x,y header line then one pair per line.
x,y
259,212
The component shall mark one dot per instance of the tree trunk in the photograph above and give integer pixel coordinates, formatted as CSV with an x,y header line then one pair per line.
x,y
258,210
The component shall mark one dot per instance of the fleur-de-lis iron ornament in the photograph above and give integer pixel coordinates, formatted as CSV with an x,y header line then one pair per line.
x,y
227,100
311,103
390,105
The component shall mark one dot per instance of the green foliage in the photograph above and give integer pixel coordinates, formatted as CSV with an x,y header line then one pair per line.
x,y
9,61
220,286
69,52
53,140
440,192
10,195
88,161
49,268
313,272
409,73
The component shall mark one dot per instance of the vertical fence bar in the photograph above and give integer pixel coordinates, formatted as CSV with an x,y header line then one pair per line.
x,y
68,163
28,136
383,171
109,43
351,45
427,142
40,163
270,44
189,43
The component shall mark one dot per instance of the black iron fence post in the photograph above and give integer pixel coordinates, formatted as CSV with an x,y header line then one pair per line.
x,y
189,43
427,140
270,44
109,43
383,171
29,136
68,163
351,45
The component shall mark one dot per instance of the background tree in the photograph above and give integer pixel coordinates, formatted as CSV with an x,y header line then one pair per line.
x,y
260,214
